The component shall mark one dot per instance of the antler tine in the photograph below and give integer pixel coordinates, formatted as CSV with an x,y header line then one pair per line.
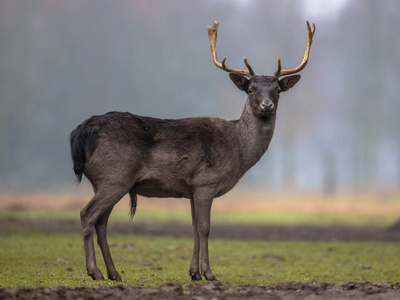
x,y
212,35
310,33
249,68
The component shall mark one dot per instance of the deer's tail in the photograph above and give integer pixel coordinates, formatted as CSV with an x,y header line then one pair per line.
x,y
133,205
80,138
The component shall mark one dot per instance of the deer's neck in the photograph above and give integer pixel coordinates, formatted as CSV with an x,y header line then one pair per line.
x,y
254,136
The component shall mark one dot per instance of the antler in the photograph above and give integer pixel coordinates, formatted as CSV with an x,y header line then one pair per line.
x,y
278,73
212,35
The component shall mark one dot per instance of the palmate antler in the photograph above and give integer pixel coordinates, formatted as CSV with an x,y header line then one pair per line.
x,y
278,73
212,35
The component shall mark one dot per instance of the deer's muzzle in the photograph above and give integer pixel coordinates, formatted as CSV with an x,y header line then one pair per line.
x,y
267,105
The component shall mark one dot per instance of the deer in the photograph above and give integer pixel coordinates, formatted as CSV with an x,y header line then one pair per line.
x,y
198,158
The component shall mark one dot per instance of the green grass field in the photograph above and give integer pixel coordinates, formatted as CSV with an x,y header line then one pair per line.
x,y
35,259
30,258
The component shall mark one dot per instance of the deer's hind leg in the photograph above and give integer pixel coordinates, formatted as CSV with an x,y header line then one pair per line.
x,y
101,231
94,216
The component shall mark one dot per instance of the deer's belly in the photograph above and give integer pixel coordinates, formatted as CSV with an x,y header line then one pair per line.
x,y
162,189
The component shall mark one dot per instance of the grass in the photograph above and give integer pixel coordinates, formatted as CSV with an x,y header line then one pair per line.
x,y
29,258
36,259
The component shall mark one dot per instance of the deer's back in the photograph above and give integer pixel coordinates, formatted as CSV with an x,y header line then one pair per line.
x,y
164,158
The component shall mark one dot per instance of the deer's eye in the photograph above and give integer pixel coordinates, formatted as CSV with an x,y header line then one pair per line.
x,y
251,91
279,91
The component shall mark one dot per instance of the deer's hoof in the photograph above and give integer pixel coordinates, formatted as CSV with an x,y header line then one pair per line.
x,y
115,276
195,276
96,274
209,276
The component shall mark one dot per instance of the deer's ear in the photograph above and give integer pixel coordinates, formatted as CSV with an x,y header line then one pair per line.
x,y
288,82
240,81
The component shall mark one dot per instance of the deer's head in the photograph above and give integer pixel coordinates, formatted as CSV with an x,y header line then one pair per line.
x,y
263,91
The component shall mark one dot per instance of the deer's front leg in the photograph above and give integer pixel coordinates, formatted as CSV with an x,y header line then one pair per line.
x,y
194,270
202,208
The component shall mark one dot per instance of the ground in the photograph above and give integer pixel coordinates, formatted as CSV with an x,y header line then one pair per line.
x,y
216,290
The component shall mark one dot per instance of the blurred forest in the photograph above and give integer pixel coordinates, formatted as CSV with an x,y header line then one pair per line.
x,y
337,130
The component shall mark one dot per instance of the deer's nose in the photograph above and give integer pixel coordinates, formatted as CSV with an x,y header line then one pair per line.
x,y
269,105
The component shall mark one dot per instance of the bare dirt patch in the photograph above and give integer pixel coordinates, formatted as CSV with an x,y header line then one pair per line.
x,y
214,290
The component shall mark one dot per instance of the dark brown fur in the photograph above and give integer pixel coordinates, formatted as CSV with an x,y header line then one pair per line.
x,y
194,158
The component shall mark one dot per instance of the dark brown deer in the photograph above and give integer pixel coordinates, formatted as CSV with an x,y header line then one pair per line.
x,y
195,158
